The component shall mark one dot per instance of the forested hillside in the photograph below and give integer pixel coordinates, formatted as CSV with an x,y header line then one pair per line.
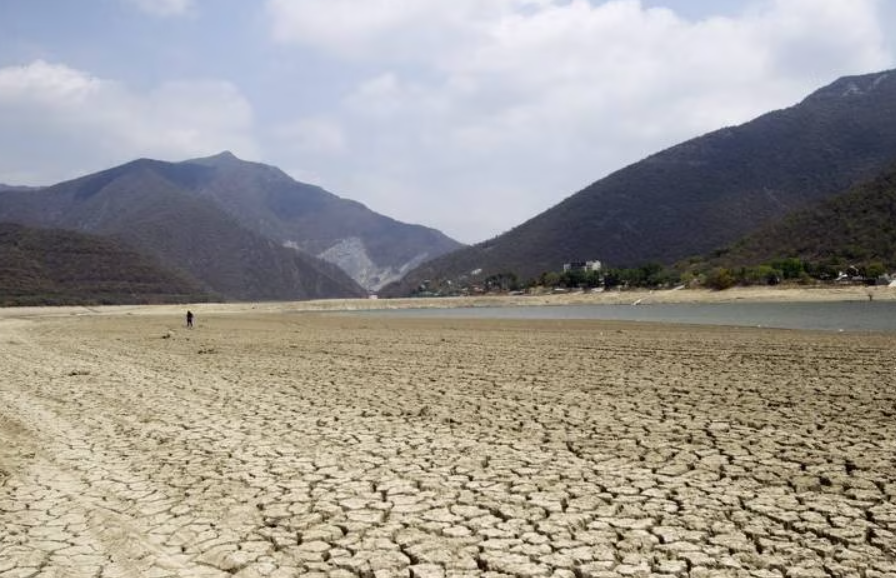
x,y
856,229
55,267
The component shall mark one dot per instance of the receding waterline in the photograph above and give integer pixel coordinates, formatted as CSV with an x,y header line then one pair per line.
x,y
832,316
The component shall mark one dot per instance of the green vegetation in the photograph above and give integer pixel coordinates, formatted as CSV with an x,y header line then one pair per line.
x,y
652,275
502,282
853,235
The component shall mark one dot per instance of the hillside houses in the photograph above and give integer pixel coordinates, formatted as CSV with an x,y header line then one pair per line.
x,y
582,266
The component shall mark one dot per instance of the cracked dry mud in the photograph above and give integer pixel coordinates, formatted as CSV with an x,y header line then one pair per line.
x,y
338,446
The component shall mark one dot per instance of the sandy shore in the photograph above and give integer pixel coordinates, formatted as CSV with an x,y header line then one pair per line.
x,y
302,444
737,294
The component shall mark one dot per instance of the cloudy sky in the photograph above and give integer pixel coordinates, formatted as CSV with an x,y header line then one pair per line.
x,y
470,116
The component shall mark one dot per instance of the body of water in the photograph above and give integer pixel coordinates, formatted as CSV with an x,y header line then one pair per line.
x,y
833,316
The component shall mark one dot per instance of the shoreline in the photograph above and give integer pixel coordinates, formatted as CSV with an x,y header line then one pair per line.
x,y
628,297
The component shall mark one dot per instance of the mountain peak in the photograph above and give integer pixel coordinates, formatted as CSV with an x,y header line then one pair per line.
x,y
855,86
220,159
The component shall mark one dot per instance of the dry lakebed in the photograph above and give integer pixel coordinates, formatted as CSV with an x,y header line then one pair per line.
x,y
275,443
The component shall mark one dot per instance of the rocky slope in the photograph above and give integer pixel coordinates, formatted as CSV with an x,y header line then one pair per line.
x,y
373,249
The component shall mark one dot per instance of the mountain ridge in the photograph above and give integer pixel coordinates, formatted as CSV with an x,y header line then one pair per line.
x,y
310,218
156,216
701,194
344,248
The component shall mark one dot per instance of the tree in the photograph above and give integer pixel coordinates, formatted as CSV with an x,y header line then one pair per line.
x,y
791,268
549,279
875,270
720,279
573,278
507,281
760,275
612,278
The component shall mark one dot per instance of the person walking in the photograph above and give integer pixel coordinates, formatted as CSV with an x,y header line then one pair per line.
x,y
189,320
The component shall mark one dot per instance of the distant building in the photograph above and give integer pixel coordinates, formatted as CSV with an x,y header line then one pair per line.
x,y
582,266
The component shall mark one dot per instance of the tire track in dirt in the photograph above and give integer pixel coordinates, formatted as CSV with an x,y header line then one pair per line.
x,y
96,510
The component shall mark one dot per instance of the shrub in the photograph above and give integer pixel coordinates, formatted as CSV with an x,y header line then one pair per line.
x,y
720,279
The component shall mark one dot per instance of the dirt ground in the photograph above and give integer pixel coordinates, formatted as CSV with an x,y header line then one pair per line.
x,y
278,444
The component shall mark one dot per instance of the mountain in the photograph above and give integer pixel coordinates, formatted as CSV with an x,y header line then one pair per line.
x,y
855,228
702,194
373,249
145,204
55,267
4,188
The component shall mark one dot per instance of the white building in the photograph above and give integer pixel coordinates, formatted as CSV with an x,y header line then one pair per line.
x,y
582,266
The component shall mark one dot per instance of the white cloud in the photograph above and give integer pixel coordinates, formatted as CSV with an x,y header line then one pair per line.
x,y
163,7
467,115
808,38
403,29
312,135
86,123
531,100
48,84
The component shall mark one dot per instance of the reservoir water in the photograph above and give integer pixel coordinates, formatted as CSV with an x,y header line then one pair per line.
x,y
878,316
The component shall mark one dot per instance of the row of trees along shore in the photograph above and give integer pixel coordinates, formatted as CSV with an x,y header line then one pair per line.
x,y
656,276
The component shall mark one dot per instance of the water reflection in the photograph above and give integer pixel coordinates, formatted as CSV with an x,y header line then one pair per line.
x,y
841,315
